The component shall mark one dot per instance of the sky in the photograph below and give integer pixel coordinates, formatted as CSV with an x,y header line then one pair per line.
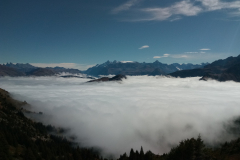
x,y
153,112
83,33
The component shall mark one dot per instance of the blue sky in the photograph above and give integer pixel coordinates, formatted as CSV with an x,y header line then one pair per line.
x,y
81,33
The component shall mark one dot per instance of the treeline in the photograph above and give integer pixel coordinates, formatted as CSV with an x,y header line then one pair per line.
x,y
191,149
23,139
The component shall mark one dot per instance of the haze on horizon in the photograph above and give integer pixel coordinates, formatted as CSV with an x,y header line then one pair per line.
x,y
153,112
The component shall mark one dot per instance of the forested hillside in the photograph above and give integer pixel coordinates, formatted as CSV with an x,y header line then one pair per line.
x,y
24,139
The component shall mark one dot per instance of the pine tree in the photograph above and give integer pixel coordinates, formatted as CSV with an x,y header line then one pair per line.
x,y
132,155
199,146
141,154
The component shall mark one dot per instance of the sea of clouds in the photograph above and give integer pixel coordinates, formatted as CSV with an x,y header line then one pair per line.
x,y
153,112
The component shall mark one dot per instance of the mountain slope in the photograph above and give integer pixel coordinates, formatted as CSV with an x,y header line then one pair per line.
x,y
24,139
7,71
62,69
221,70
41,72
230,74
118,77
20,69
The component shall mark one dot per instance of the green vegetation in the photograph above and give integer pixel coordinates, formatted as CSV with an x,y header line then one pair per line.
x,y
23,139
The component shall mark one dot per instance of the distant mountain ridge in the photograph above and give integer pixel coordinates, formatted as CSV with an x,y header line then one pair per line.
x,y
8,71
136,68
19,69
221,70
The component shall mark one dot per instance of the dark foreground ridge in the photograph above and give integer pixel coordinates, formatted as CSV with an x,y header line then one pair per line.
x,y
118,77
23,139
221,70
72,76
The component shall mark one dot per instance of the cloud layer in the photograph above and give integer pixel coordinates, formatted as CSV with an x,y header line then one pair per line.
x,y
153,112
179,9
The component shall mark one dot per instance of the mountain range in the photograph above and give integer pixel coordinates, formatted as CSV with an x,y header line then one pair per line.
x,y
136,68
107,68
27,69
8,71
221,70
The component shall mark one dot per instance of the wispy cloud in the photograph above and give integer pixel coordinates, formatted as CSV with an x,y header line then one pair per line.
x,y
179,9
191,52
125,6
212,5
175,19
185,8
184,56
205,49
126,61
166,55
145,46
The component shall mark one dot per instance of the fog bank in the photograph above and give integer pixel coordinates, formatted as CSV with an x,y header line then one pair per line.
x,y
153,112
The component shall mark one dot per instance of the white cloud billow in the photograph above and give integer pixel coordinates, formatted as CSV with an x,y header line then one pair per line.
x,y
205,49
153,112
180,8
155,57
212,5
143,47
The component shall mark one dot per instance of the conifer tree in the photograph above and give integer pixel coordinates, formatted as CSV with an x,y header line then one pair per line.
x,y
141,153
199,146
132,155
